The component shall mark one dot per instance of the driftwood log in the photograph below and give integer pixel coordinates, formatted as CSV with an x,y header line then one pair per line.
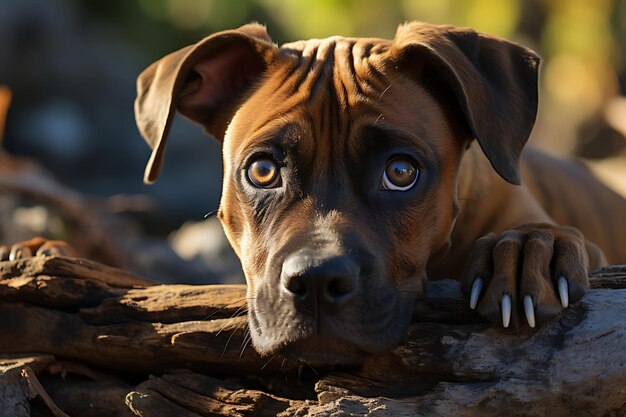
x,y
82,339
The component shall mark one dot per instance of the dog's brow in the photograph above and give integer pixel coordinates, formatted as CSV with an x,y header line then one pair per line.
x,y
268,137
392,136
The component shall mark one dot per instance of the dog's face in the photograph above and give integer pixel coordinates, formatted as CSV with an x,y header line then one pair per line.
x,y
334,200
341,159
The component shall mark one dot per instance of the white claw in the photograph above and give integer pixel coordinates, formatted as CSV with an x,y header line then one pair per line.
x,y
529,309
19,252
563,291
506,310
477,287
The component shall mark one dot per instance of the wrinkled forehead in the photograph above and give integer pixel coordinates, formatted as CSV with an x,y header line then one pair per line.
x,y
335,74
361,51
330,91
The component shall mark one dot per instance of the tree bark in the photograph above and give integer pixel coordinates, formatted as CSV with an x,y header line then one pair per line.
x,y
110,343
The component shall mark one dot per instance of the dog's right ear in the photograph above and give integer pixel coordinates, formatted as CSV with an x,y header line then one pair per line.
x,y
205,82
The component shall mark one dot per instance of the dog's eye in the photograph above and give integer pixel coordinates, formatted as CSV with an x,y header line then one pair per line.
x,y
400,174
264,172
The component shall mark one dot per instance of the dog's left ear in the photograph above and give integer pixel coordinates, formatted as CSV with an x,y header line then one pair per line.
x,y
205,82
493,80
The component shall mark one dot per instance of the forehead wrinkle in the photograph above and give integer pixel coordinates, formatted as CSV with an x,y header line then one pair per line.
x,y
359,69
321,97
303,61
345,76
311,63
318,77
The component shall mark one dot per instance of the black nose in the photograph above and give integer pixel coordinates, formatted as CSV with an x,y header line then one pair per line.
x,y
320,282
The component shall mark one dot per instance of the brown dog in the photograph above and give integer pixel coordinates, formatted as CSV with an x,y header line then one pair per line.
x,y
355,168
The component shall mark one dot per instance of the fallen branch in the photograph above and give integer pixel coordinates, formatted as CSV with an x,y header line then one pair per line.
x,y
108,329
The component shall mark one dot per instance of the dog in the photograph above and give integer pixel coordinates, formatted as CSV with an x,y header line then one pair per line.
x,y
355,168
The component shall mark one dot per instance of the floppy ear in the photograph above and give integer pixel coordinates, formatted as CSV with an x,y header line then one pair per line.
x,y
205,82
493,80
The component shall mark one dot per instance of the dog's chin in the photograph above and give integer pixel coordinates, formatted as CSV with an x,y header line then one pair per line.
x,y
324,350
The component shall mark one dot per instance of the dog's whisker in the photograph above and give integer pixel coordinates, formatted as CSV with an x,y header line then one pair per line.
x,y
220,330
268,362
211,213
234,303
235,314
383,93
210,316
282,367
377,119
227,342
214,313
230,338
247,335
246,343
247,338
226,323
243,350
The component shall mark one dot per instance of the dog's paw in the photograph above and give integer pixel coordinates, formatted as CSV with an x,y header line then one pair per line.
x,y
35,247
528,274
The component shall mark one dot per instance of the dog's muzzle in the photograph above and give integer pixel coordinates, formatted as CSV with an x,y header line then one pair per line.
x,y
327,306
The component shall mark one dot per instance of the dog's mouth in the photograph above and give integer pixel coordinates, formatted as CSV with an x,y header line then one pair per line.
x,y
347,340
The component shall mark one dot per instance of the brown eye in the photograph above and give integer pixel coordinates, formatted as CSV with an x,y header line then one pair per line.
x,y
400,174
264,173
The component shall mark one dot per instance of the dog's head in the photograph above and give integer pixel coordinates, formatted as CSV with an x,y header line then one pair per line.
x,y
340,166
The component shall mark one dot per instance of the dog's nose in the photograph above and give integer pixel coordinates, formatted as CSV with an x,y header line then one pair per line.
x,y
318,282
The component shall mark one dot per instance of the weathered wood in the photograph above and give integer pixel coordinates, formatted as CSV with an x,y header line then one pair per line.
x,y
609,277
191,393
18,384
134,346
452,363
64,267
167,304
89,398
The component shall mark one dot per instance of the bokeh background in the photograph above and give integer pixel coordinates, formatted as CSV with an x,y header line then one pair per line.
x,y
71,67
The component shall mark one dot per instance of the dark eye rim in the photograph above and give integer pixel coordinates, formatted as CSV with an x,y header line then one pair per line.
x,y
396,157
276,182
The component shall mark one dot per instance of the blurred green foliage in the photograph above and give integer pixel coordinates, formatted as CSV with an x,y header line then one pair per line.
x,y
581,41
